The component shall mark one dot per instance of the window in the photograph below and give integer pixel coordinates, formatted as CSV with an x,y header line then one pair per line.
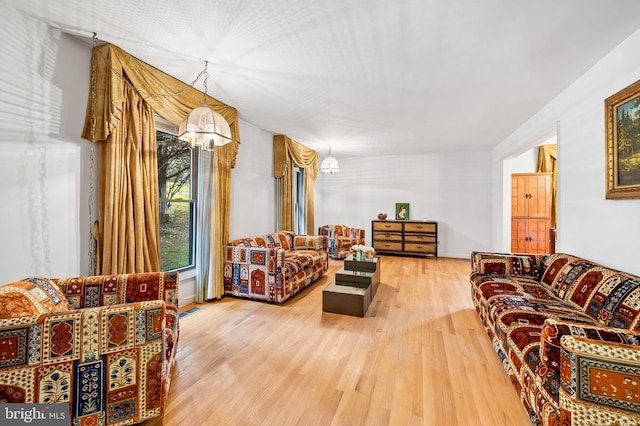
x,y
177,185
298,201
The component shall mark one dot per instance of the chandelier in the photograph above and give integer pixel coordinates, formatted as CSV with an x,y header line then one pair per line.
x,y
329,165
204,128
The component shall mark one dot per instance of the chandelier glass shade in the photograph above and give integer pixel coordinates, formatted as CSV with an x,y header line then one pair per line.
x,y
204,128
329,165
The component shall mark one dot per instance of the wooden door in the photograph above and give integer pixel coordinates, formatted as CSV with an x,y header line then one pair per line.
x,y
539,195
519,198
538,233
530,212
519,235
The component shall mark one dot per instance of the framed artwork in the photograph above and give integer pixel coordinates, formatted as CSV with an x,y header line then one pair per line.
x,y
402,211
622,121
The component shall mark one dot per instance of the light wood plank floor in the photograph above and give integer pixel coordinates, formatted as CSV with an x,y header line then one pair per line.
x,y
419,357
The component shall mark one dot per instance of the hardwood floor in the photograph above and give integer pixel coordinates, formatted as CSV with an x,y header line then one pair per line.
x,y
419,357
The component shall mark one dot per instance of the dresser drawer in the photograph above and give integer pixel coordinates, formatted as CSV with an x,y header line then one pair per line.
x,y
387,236
420,227
420,238
386,245
420,248
387,226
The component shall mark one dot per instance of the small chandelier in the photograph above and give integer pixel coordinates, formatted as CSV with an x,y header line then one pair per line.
x,y
204,128
329,165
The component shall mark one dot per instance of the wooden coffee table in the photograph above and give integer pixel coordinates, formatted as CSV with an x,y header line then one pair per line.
x,y
354,287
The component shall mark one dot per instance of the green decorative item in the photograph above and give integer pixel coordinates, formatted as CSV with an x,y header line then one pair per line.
x,y
402,211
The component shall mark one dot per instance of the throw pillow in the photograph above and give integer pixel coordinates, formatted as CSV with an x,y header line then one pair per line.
x,y
31,296
506,264
306,242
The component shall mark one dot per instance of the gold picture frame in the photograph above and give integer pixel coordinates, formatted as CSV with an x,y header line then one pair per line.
x,y
622,123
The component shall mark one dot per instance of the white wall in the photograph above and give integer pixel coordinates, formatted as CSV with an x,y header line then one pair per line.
x,y
451,188
590,226
44,81
253,184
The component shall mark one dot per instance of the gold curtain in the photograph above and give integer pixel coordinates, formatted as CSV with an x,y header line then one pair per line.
x,y
128,193
286,155
548,163
127,92
225,158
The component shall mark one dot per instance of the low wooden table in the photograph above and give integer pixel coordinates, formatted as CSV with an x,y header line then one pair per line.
x,y
353,289
346,299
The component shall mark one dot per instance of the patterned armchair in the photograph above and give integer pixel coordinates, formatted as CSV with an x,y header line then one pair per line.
x,y
105,345
341,239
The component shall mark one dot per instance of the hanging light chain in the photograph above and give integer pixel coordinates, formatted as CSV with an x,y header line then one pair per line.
x,y
92,242
206,79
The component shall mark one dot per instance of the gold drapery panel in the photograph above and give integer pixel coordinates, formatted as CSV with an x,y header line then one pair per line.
x,y
128,196
225,158
118,76
548,163
287,154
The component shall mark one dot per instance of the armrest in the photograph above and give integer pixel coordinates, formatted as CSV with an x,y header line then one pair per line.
x,y
515,264
554,330
600,381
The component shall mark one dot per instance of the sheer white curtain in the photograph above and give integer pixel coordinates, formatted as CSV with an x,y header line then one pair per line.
x,y
205,239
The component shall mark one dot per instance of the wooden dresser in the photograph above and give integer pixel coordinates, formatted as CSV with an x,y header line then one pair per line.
x,y
411,237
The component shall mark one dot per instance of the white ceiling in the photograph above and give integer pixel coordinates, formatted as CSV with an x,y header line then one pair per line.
x,y
381,77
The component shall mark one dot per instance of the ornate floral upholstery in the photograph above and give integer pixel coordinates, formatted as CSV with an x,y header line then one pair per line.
x,y
273,267
103,344
341,239
566,331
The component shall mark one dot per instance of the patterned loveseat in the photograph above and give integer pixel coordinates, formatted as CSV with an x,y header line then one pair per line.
x,y
273,267
341,239
105,345
567,332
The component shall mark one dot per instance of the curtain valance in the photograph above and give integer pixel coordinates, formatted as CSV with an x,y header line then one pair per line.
x,y
286,150
166,95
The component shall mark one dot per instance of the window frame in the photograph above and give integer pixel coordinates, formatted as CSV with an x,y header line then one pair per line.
x,y
162,125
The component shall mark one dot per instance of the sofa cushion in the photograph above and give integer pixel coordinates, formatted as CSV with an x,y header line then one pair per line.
x,y
31,296
506,264
488,286
560,271
282,239
299,260
610,297
305,242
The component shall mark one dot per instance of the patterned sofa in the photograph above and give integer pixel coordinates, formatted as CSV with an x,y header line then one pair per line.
x,y
341,239
105,345
567,332
273,267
